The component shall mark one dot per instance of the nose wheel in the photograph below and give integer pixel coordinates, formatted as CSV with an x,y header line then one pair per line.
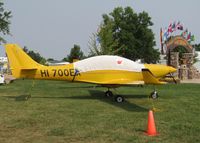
x,y
154,95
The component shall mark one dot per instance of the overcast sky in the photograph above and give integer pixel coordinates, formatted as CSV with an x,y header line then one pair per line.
x,y
52,27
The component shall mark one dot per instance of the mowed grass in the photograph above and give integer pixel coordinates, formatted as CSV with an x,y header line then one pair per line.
x,y
73,112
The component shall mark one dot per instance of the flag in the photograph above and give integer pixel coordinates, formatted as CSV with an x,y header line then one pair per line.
x,y
189,36
174,26
179,26
98,39
185,33
170,28
165,35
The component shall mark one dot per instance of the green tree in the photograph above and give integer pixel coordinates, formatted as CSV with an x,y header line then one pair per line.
x,y
126,33
75,53
102,42
50,59
197,47
35,56
4,22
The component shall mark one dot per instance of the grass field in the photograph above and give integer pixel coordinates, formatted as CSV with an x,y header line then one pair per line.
x,y
72,112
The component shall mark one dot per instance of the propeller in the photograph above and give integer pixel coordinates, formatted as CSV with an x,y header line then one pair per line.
x,y
170,75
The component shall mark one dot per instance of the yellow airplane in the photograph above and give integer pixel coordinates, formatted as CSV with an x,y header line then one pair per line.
x,y
108,71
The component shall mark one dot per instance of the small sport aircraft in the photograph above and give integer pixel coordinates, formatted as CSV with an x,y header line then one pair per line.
x,y
107,71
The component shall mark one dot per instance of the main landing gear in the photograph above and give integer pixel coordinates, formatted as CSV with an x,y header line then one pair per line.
x,y
118,98
108,93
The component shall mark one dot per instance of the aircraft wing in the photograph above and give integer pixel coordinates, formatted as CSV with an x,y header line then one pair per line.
x,y
147,77
116,82
123,82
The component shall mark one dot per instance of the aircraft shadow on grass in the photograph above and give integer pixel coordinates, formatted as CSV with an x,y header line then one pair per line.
x,y
126,105
94,95
92,86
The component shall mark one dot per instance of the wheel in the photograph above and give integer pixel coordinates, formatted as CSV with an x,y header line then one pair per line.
x,y
108,93
154,95
119,99
28,96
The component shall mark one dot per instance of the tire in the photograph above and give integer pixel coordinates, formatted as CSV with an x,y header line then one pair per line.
x,y
154,95
108,94
119,99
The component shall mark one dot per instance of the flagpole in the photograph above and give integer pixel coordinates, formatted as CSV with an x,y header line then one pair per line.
x,y
161,42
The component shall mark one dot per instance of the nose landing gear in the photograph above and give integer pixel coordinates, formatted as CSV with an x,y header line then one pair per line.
x,y
108,93
154,95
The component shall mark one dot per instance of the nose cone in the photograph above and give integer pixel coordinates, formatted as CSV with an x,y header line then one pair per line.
x,y
171,69
160,70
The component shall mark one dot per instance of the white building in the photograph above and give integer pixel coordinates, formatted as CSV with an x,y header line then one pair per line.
x,y
3,59
197,64
3,64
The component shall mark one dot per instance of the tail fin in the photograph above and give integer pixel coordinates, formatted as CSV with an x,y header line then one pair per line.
x,y
19,60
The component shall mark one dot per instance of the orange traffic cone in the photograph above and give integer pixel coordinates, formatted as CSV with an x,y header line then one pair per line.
x,y
151,128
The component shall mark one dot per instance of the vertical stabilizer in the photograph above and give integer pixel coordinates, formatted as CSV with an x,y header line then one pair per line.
x,y
19,60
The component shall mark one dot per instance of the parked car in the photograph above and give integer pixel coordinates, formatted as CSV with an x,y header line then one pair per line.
x,y
6,79
2,79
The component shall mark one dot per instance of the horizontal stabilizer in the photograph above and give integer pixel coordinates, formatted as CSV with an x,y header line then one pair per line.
x,y
149,78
